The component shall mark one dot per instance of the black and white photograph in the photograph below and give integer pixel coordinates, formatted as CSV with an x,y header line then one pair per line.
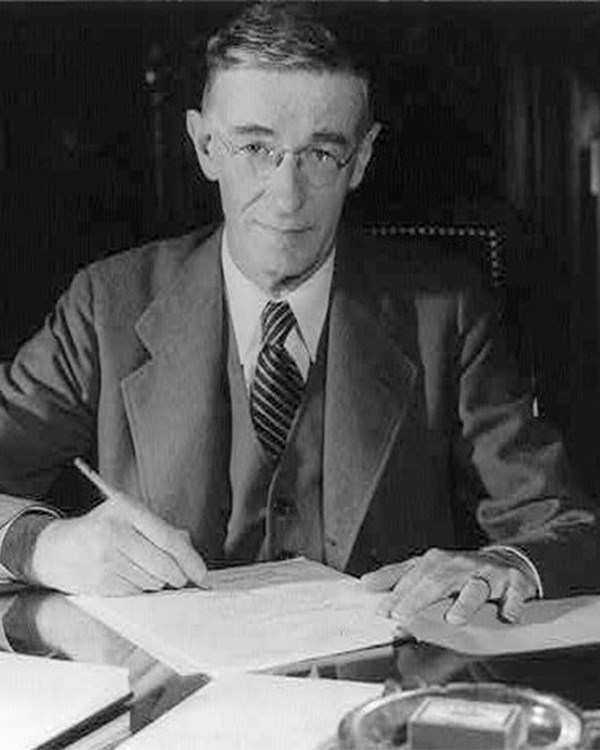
x,y
299,375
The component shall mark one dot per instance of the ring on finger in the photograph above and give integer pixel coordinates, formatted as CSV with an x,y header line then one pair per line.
x,y
485,581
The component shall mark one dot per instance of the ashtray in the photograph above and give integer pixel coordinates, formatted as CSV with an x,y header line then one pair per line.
x,y
548,722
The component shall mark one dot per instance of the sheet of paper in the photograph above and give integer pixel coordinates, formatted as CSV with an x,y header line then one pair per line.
x,y
545,624
257,712
245,577
41,698
237,627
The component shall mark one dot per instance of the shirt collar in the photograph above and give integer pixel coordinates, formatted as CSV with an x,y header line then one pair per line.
x,y
309,302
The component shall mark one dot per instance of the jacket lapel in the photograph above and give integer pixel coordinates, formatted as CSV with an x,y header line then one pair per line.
x,y
175,401
369,384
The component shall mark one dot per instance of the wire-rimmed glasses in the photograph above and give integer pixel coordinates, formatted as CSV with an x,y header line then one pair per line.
x,y
320,166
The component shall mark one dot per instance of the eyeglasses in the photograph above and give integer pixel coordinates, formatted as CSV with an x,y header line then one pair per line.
x,y
318,165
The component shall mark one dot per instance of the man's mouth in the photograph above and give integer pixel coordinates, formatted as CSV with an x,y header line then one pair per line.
x,y
283,228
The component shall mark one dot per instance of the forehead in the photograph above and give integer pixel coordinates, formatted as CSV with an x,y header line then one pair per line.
x,y
288,103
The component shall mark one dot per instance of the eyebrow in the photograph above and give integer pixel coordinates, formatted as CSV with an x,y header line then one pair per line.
x,y
252,129
330,136
319,136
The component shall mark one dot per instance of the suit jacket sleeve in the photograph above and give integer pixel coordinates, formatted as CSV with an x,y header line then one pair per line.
x,y
529,498
48,400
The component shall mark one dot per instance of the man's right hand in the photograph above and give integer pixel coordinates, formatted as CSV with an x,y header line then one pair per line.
x,y
118,548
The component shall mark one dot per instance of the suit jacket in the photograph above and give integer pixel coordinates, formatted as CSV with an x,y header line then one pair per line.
x,y
429,438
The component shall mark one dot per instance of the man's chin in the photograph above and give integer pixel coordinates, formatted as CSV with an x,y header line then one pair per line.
x,y
282,260
284,247
286,250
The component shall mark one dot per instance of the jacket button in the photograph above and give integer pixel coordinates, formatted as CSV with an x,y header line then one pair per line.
x,y
283,506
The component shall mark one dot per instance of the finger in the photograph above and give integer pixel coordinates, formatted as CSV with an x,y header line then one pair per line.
x,y
175,542
473,595
519,590
418,588
411,597
435,576
495,577
387,577
186,556
147,556
114,585
140,579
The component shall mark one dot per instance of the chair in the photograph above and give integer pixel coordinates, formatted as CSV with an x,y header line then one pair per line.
x,y
485,246
481,245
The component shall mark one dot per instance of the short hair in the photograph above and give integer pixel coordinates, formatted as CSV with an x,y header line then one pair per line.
x,y
283,36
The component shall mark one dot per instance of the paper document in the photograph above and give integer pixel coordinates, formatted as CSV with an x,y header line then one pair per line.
x,y
257,712
245,577
545,624
43,698
239,627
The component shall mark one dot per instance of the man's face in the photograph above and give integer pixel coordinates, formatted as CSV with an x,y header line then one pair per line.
x,y
280,226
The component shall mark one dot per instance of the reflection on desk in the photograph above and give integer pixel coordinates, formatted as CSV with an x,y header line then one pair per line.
x,y
48,623
51,703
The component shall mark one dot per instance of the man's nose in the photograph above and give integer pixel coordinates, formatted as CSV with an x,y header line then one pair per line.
x,y
287,184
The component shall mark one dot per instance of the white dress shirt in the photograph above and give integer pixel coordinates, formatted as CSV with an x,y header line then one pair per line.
x,y
246,300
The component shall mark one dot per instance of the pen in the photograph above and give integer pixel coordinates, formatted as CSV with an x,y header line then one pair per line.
x,y
109,492
94,478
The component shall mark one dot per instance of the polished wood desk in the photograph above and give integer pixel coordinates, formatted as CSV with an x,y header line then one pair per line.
x,y
49,624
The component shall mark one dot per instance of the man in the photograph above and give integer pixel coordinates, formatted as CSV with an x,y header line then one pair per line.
x,y
281,387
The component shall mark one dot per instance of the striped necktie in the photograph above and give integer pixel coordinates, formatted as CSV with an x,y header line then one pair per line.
x,y
277,385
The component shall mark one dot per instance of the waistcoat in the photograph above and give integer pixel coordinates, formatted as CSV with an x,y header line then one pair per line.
x,y
276,513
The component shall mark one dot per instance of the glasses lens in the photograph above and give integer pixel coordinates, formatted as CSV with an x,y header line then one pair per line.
x,y
318,171
262,163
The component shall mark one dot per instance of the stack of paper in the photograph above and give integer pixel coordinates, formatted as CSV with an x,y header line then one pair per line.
x,y
52,703
257,712
249,621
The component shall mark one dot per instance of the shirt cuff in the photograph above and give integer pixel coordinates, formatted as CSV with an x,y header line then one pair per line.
x,y
517,559
17,538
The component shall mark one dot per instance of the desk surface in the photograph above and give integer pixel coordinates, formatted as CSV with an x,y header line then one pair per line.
x,y
49,624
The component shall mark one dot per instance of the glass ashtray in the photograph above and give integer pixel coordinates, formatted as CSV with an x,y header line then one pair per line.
x,y
549,722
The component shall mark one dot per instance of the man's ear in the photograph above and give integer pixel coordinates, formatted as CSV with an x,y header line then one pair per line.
x,y
363,155
198,129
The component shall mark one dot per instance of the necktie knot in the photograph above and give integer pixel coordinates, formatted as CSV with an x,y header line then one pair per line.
x,y
277,320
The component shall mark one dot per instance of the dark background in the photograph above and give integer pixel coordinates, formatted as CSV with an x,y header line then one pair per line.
x,y
490,112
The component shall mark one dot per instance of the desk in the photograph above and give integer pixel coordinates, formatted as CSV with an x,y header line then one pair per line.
x,y
49,624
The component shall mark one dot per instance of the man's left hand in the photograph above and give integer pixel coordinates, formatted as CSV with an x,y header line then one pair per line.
x,y
474,578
